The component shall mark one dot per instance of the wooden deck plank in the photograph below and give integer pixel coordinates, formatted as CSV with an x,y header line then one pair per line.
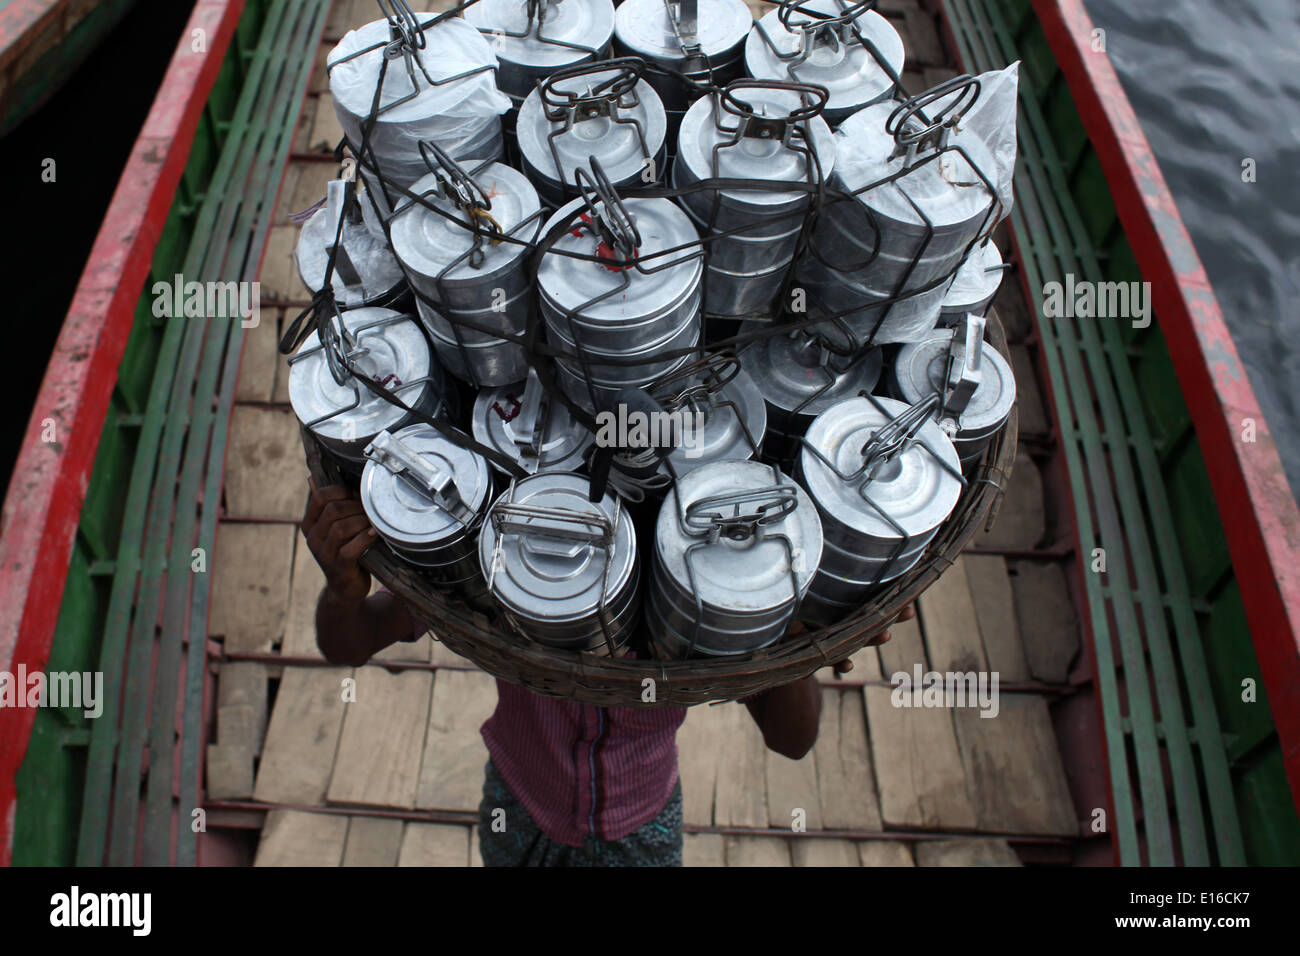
x,y
451,770
378,762
947,613
325,130
250,589
256,381
475,850
757,851
1022,516
279,280
266,473
819,851
372,841
435,844
1034,419
703,849
1014,771
918,765
995,612
846,782
740,796
904,649
229,772
698,742
792,791
304,592
1049,626
967,851
302,737
297,838
885,853
243,684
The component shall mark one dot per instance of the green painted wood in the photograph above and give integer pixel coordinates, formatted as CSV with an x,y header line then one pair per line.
x,y
1272,834
101,514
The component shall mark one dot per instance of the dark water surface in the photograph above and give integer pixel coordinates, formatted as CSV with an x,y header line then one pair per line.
x,y
1215,84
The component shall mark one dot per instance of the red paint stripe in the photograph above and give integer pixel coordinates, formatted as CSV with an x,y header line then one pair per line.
x,y
48,487
1255,502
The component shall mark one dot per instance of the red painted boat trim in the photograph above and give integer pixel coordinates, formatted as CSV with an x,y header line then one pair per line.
x,y
43,506
1255,502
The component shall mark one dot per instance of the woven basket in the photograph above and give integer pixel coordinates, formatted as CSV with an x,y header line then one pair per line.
x,y
610,682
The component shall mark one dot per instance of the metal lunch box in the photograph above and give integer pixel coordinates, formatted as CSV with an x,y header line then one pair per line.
x,y
736,547
974,285
884,477
522,422
426,497
562,569
833,50
725,410
387,347
365,272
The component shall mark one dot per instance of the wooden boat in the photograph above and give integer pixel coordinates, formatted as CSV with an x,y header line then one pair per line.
x,y
1149,513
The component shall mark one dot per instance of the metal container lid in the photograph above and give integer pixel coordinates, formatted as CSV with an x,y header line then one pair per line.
x,y
570,283
977,281
947,189
846,68
581,23
921,369
427,242
799,374
365,268
545,549
617,145
420,489
644,27
391,349
708,124
742,569
452,48
914,488
525,424
725,409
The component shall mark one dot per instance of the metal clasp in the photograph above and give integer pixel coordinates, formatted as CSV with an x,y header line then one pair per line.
x,y
422,475
964,369
707,517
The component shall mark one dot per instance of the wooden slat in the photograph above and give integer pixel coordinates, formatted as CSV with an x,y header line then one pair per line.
x,y
1049,626
251,585
230,771
741,793
974,851
243,684
952,639
1015,776
296,838
816,851
451,771
372,841
325,131
303,736
475,851
995,612
1029,398
300,622
791,788
256,381
266,474
885,853
904,649
846,783
918,765
435,844
757,851
279,278
378,762
697,761
703,849
1022,516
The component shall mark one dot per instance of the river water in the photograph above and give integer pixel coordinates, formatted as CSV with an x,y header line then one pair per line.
x,y
1215,84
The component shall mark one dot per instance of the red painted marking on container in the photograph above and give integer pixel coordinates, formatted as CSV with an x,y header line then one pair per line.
x,y
43,505
1256,504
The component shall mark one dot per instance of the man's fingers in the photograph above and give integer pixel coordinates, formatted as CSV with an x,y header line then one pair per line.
x,y
320,497
355,548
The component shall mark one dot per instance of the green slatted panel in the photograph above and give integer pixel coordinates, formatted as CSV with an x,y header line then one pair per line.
x,y
1108,445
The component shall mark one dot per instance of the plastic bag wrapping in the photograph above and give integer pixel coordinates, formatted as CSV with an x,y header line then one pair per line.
x,y
369,254
993,119
462,116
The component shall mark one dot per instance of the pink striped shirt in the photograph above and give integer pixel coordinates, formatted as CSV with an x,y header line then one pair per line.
x,y
581,770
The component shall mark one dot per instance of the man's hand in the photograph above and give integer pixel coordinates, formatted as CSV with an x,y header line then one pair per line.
x,y
351,627
338,533
906,614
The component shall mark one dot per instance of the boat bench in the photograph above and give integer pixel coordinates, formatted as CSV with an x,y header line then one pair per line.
x,y
142,772
1168,760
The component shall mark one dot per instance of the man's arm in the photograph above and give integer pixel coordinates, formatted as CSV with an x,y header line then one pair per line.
x,y
352,625
789,715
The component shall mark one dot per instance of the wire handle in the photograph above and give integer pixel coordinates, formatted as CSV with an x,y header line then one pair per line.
x,y
424,476
934,131
406,31
599,100
830,29
813,97
707,517
611,218
553,524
